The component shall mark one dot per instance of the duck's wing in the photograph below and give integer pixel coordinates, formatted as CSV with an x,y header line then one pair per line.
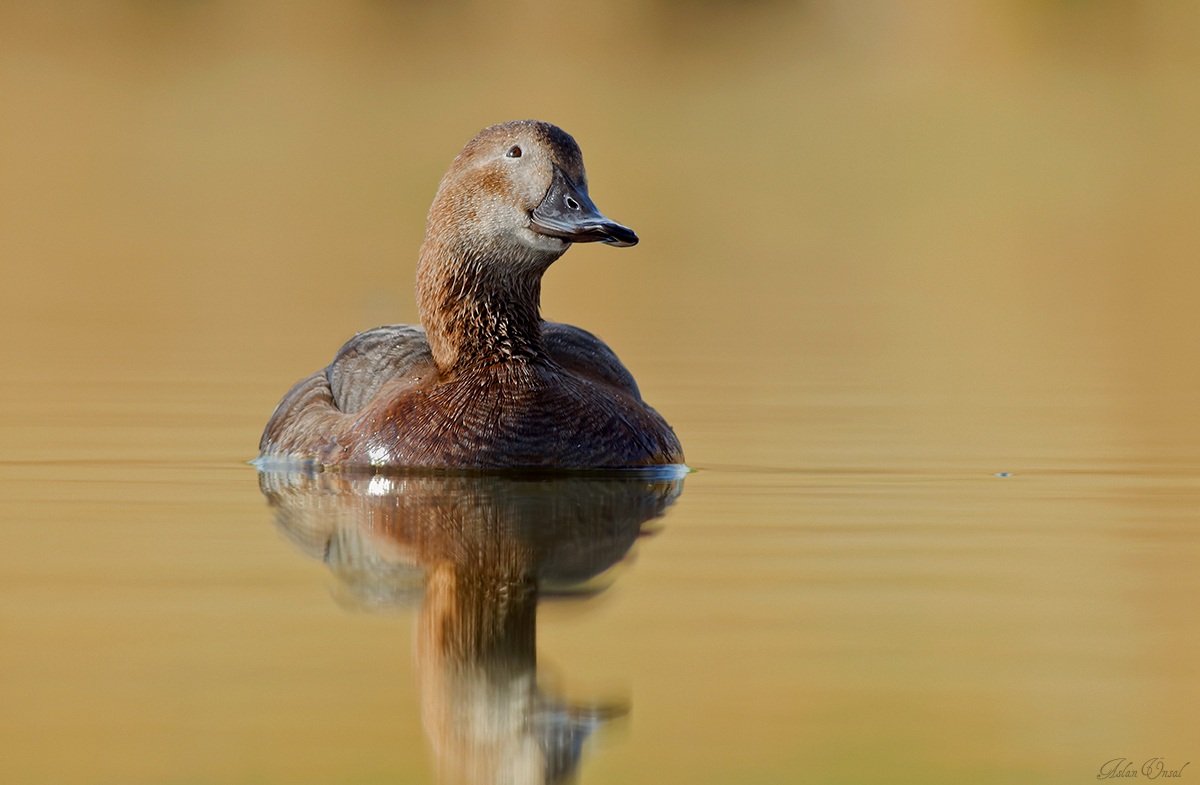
x,y
583,354
302,421
371,359
307,419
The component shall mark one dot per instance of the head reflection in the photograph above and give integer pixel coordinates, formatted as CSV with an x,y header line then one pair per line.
x,y
477,551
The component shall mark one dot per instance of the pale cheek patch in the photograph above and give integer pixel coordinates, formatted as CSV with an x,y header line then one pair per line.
x,y
541,242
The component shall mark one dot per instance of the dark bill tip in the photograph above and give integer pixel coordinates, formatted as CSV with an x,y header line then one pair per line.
x,y
615,234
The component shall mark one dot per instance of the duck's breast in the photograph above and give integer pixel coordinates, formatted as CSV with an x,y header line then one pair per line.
x,y
512,415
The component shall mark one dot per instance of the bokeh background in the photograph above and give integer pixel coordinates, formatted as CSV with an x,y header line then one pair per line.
x,y
981,194
879,239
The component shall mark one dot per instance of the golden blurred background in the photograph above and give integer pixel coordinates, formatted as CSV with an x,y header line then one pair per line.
x,y
911,197
983,192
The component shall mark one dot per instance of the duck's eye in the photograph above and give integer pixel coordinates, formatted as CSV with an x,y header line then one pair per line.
x,y
514,151
572,204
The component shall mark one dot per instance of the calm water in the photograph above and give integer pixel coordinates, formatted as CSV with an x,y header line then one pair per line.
x,y
918,296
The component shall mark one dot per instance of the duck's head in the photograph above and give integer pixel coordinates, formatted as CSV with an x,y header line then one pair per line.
x,y
518,190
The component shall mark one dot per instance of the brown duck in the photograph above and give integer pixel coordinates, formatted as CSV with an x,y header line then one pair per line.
x,y
484,382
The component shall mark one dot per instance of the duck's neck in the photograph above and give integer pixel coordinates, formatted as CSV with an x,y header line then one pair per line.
x,y
478,310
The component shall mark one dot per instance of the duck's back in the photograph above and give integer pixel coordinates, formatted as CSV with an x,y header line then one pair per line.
x,y
372,359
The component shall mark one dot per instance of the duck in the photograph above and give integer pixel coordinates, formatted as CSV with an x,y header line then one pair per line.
x,y
484,382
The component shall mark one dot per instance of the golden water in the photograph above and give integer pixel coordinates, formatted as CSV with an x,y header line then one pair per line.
x,y
916,289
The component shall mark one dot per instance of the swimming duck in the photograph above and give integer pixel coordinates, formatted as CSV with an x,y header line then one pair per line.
x,y
484,382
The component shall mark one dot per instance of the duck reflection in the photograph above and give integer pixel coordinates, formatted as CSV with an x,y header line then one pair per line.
x,y
478,552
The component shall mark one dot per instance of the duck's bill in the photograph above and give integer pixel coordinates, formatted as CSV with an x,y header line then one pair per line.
x,y
567,213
